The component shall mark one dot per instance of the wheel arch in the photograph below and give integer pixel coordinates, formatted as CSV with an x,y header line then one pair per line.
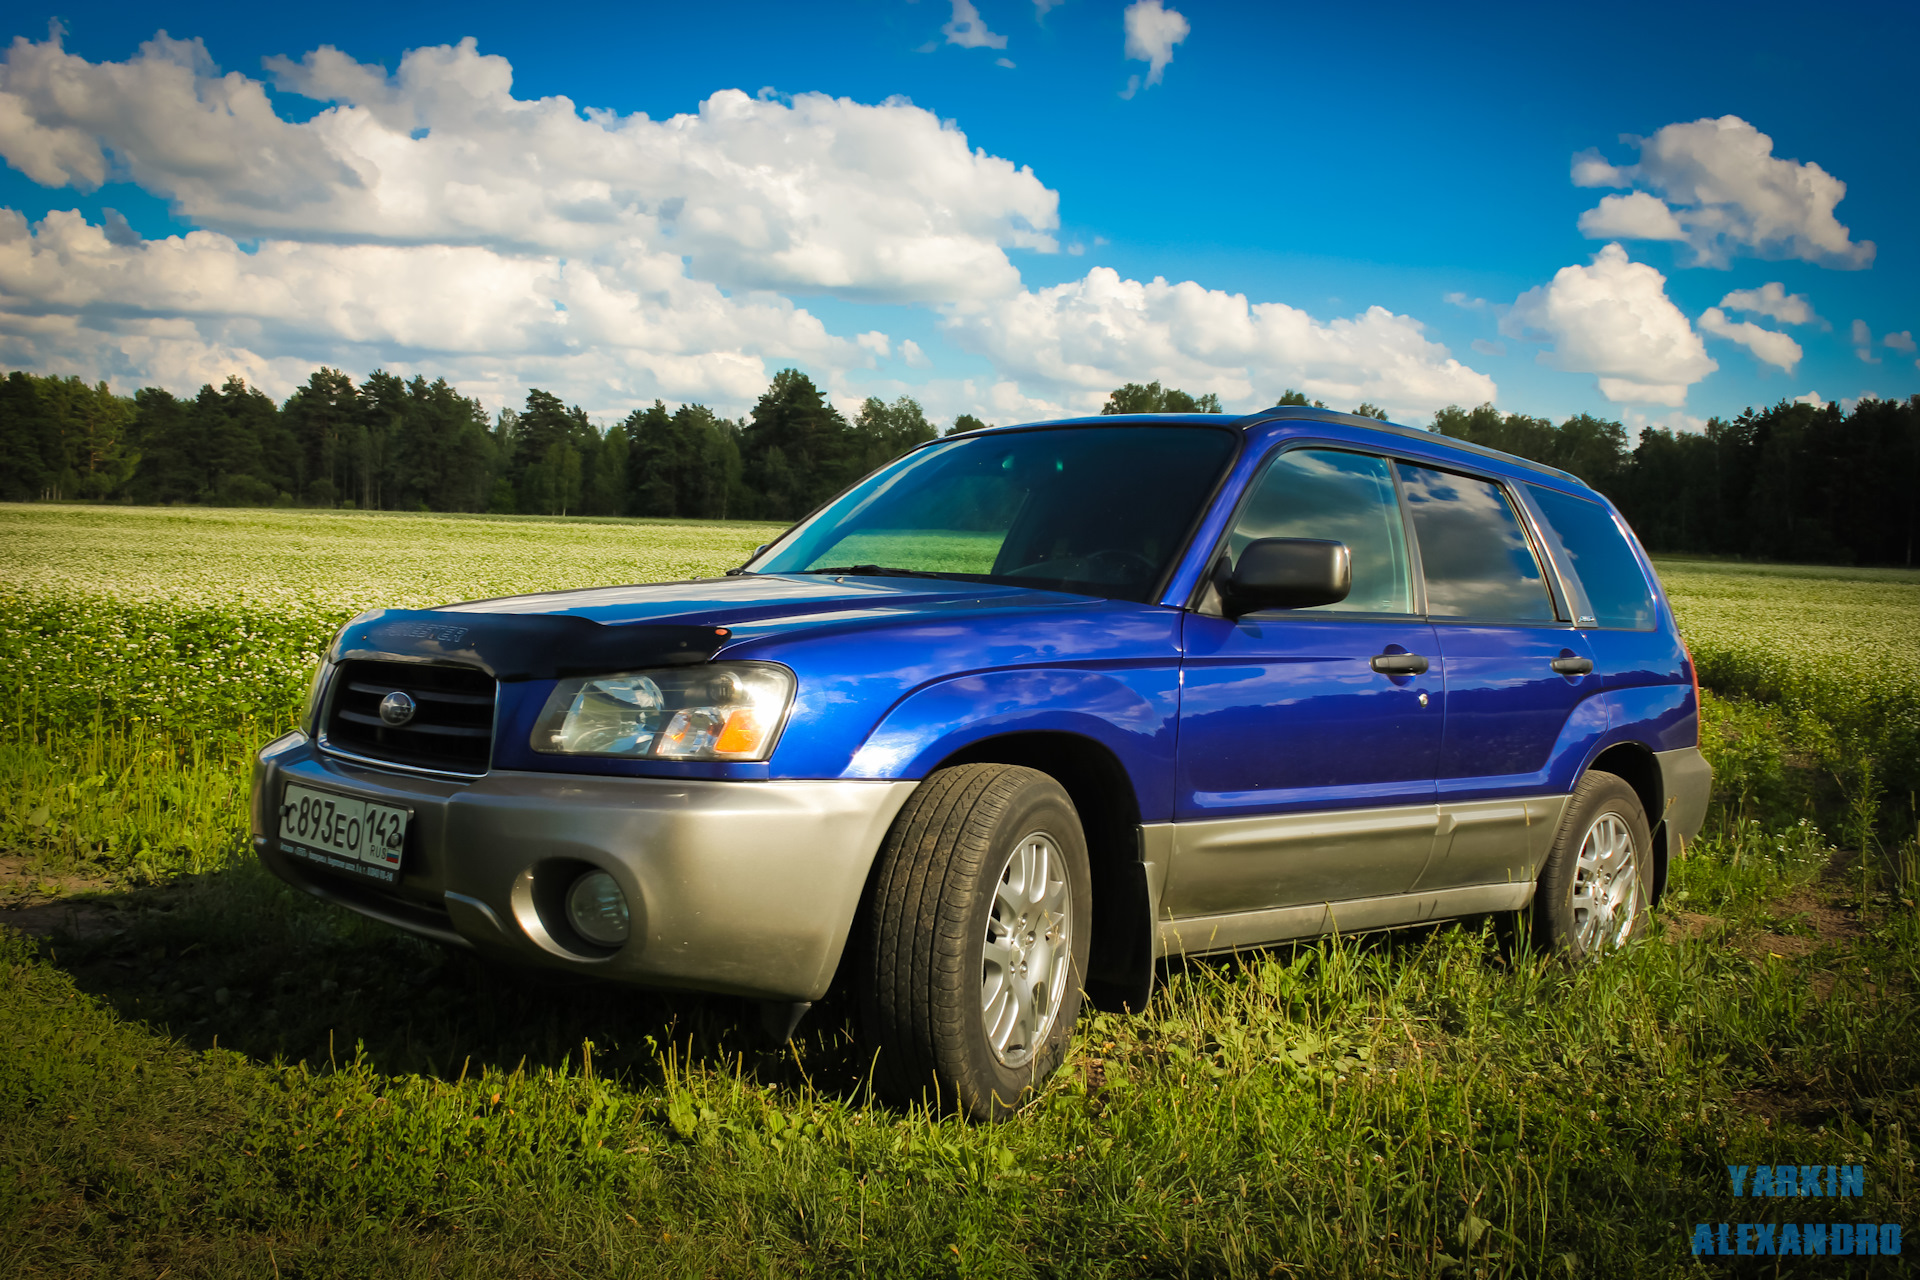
x,y
1634,764
1120,966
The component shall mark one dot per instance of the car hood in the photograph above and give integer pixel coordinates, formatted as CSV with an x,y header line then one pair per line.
x,y
757,605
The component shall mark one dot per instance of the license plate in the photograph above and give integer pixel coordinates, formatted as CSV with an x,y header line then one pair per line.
x,y
343,832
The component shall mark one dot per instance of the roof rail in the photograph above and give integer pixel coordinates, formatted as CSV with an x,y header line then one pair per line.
x,y
1309,413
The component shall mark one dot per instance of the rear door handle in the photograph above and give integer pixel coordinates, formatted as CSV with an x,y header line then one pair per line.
x,y
1572,666
1399,664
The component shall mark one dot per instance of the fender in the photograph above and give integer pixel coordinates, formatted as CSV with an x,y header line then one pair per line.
x,y
1658,717
1130,711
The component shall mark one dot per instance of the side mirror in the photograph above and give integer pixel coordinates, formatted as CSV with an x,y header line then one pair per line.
x,y
1285,573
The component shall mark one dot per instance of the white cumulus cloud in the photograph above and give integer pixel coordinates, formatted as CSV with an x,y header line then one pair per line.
x,y
1770,345
188,309
1635,216
968,31
1151,34
880,202
1075,342
1727,193
1773,301
1902,342
1863,342
1614,319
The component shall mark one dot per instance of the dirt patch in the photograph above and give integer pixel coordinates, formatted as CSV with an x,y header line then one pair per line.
x,y
1690,925
24,884
46,904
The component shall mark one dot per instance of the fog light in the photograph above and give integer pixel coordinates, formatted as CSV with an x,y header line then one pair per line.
x,y
597,908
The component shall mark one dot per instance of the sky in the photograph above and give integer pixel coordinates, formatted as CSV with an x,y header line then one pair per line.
x,y
1652,213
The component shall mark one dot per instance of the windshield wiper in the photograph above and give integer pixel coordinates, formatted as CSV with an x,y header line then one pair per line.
x,y
875,571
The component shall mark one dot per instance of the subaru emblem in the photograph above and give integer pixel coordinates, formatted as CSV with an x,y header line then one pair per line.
x,y
396,709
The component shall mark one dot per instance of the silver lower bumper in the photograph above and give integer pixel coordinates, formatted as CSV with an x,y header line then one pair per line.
x,y
748,888
1686,780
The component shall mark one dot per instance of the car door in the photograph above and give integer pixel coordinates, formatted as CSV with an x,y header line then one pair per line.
x,y
1306,772
1517,671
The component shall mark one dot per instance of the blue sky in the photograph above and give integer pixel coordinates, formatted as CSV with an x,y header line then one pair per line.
x,y
1370,204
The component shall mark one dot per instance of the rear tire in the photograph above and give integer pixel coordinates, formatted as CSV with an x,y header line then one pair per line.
x,y
976,944
1593,890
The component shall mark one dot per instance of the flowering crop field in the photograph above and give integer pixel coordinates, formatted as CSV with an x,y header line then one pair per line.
x,y
1840,644
200,621
204,621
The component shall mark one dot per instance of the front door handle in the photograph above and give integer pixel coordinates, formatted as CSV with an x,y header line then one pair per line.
x,y
1572,666
1399,664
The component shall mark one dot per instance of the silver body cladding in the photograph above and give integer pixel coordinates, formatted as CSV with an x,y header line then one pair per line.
x,y
751,888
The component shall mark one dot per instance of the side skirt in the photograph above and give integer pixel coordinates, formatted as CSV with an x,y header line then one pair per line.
x,y
1202,935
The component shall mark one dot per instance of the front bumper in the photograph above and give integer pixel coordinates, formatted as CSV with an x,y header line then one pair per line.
x,y
747,888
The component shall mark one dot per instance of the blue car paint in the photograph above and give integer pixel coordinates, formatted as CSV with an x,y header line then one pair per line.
x,y
897,674
1287,716
1505,704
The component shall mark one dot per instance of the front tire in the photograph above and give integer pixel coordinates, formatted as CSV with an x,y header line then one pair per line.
x,y
1592,895
977,937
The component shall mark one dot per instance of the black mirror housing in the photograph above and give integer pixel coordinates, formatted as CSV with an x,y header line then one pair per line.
x,y
1286,573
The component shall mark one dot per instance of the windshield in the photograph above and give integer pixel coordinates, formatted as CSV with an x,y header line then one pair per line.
x,y
1095,510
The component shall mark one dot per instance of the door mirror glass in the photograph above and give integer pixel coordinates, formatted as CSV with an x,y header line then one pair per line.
x,y
1287,573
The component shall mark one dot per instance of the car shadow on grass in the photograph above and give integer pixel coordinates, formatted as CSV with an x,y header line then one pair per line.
x,y
236,960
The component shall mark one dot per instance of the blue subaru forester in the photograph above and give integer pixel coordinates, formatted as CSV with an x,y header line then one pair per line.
x,y
1015,717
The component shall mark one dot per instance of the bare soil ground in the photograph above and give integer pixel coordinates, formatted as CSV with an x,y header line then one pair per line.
x,y
48,904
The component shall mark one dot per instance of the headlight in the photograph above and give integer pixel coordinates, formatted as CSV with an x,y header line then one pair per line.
x,y
316,689
721,711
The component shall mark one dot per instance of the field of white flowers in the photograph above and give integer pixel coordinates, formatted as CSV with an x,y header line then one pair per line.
x,y
203,625
1838,645
209,621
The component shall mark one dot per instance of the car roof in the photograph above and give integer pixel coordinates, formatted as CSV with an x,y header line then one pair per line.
x,y
1289,413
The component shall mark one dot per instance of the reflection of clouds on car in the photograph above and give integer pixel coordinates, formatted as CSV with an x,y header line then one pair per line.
x,y
1477,560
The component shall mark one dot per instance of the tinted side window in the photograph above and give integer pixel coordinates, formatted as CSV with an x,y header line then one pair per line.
x,y
1325,493
1591,544
1473,550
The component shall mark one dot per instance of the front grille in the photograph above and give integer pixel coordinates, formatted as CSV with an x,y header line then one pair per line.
x,y
452,726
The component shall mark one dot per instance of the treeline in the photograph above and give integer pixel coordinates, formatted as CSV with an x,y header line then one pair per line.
x,y
1793,482
395,445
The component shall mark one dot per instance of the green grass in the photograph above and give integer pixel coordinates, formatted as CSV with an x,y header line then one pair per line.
x,y
210,1074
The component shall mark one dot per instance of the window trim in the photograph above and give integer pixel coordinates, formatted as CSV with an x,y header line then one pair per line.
x,y
1205,600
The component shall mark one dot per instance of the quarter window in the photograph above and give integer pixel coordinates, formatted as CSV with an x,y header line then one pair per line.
x,y
1474,552
1591,544
1328,493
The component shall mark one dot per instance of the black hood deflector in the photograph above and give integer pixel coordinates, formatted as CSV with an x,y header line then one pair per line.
x,y
524,646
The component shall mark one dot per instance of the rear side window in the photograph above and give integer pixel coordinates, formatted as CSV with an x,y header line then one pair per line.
x,y
1591,544
1327,493
1474,552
